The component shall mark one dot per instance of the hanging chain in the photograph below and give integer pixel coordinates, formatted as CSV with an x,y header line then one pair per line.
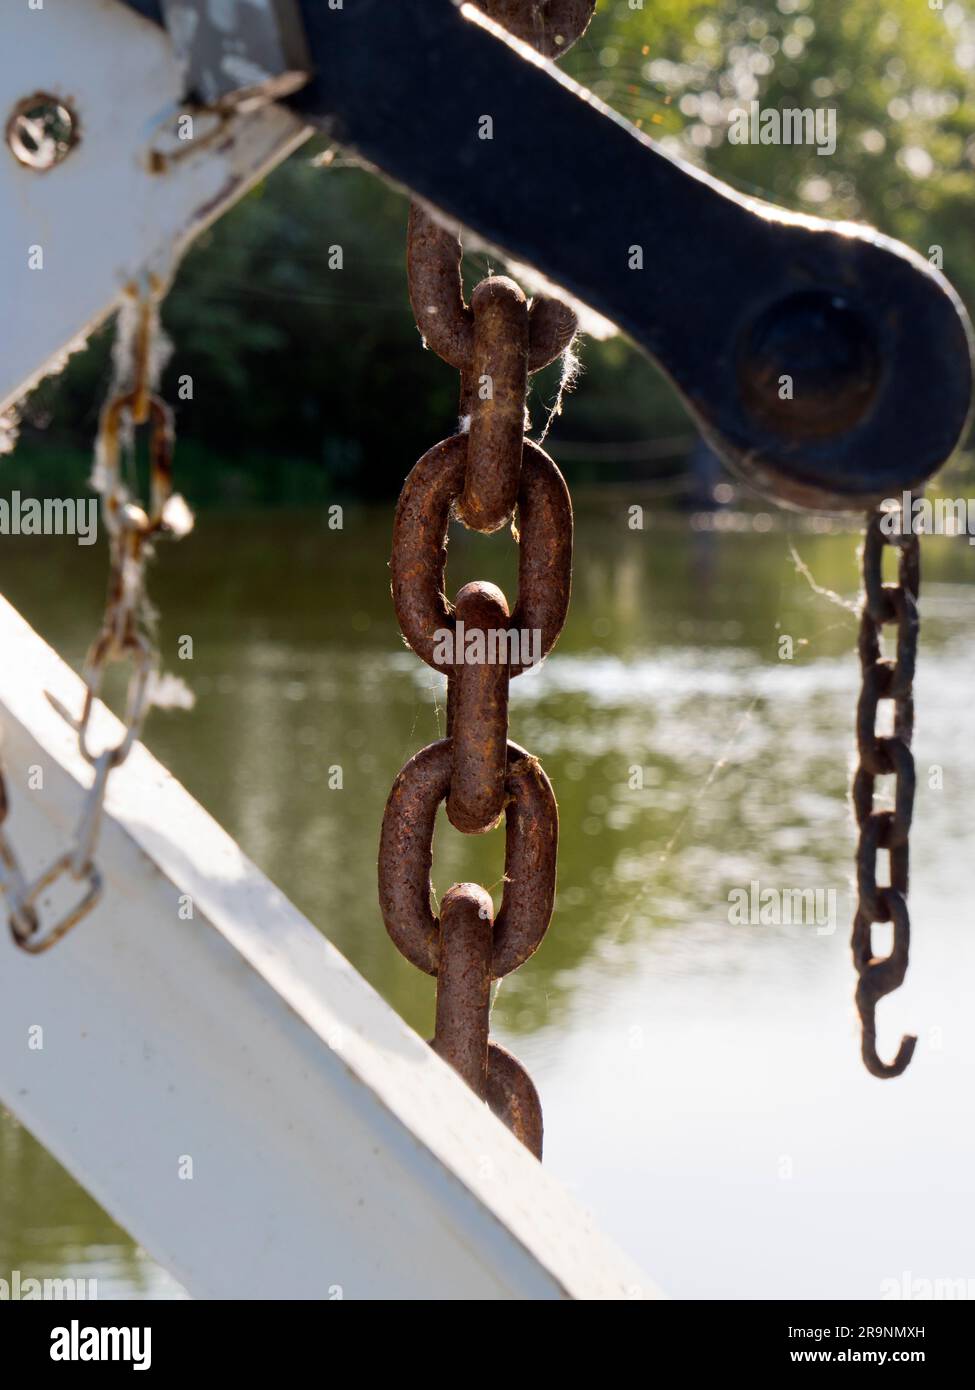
x,y
481,477
884,678
123,635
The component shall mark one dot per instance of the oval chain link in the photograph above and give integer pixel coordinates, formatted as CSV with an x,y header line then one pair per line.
x,y
481,476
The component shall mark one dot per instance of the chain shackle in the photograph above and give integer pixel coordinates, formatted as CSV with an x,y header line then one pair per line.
x,y
882,755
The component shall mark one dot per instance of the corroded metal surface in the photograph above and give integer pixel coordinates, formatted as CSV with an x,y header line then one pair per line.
x,y
512,1096
122,637
478,717
464,983
406,858
419,552
879,756
495,403
551,27
727,294
484,477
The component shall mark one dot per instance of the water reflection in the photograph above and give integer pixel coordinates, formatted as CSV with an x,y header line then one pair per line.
x,y
688,758
51,1229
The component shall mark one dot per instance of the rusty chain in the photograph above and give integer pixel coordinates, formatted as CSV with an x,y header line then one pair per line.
x,y
123,635
884,678
481,476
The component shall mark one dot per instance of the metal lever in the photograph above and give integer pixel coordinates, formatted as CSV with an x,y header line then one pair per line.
x,y
734,294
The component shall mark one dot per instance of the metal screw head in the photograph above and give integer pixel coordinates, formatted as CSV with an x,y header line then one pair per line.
x,y
41,131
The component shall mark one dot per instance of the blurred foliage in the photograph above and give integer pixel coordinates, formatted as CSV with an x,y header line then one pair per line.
x,y
309,381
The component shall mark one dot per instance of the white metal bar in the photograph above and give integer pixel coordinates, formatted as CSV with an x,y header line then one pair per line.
x,y
330,1150
109,213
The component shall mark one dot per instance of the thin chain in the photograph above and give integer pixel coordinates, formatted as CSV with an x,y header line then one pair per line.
x,y
885,678
123,635
481,476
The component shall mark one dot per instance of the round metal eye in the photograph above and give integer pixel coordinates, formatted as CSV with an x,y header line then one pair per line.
x,y
824,351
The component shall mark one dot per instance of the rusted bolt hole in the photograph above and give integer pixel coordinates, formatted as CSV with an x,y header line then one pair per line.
x,y
41,131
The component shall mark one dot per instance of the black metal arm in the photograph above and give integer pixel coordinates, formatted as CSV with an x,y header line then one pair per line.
x,y
733,296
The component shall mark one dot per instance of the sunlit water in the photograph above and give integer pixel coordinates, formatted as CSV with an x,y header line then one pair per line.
x,y
701,1082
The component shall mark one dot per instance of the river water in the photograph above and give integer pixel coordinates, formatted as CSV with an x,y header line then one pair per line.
x,y
700,1076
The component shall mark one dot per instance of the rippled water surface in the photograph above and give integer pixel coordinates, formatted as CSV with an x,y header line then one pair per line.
x,y
701,1083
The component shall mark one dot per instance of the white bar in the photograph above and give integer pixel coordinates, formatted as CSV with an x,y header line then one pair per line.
x,y
331,1149
102,218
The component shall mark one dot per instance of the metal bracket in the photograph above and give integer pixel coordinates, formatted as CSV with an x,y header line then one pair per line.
x,y
239,53
729,295
733,294
95,196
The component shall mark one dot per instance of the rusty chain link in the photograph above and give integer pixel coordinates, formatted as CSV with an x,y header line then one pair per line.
x,y
884,678
480,476
551,27
122,636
